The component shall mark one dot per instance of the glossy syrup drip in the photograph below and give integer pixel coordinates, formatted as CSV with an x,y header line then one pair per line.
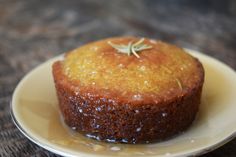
x,y
95,136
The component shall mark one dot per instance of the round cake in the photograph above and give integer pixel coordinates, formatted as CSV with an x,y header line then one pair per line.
x,y
128,89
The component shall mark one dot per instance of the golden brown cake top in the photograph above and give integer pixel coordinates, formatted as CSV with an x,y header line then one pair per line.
x,y
162,70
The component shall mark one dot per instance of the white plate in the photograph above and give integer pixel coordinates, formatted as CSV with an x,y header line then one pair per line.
x,y
34,111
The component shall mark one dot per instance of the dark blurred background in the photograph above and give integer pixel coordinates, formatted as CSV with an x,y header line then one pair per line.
x,y
32,31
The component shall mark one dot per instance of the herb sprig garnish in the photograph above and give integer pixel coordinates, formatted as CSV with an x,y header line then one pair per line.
x,y
179,83
131,48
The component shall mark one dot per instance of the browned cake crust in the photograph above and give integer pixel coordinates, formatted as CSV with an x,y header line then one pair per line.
x,y
106,115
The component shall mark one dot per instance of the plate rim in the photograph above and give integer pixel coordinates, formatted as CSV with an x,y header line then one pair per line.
x,y
53,148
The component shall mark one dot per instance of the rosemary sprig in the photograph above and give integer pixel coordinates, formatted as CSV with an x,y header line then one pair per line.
x,y
131,48
179,83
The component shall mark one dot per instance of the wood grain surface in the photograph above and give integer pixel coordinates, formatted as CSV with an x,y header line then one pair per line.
x,y
32,31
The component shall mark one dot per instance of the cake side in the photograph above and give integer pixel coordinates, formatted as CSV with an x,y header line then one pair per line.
x,y
113,120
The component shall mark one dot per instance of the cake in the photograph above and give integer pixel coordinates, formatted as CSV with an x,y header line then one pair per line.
x,y
128,89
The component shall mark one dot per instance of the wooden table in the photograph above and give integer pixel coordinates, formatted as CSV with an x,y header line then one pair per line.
x,y
33,31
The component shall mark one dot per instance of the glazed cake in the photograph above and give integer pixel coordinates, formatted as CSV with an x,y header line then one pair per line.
x,y
139,97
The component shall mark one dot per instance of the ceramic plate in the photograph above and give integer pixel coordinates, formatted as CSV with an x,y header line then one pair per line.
x,y
34,111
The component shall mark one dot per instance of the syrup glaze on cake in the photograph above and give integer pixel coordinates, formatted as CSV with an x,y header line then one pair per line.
x,y
113,97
